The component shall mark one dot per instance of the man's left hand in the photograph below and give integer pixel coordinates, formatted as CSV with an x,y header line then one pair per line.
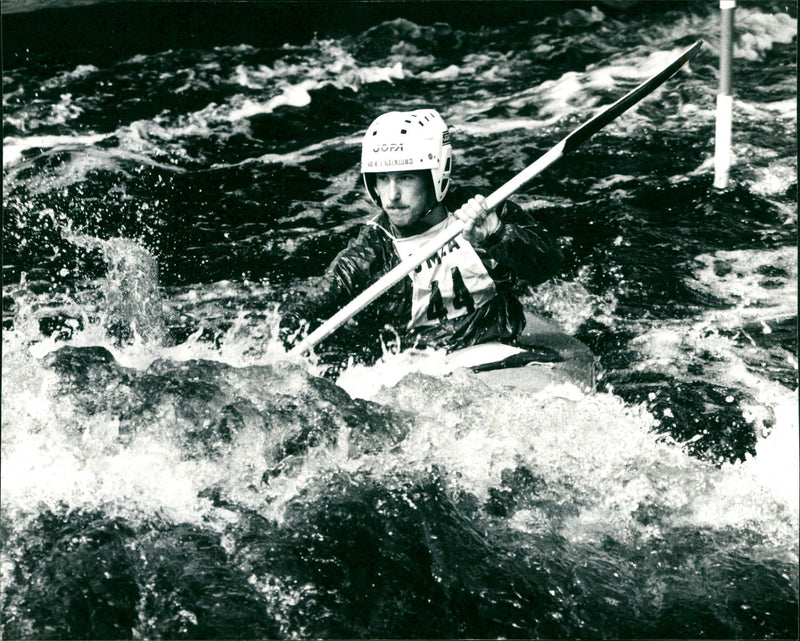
x,y
479,222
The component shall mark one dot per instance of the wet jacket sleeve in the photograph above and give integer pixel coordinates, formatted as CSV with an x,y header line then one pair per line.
x,y
364,259
523,246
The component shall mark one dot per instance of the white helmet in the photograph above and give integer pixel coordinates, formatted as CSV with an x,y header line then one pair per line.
x,y
408,141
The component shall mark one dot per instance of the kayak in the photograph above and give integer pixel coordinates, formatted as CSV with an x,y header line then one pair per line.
x,y
543,356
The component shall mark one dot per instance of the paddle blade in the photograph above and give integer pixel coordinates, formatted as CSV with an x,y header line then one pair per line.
x,y
582,133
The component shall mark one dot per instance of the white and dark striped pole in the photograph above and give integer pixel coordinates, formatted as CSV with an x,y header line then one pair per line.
x,y
722,147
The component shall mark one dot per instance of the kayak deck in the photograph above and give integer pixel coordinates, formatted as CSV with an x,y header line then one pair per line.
x,y
544,355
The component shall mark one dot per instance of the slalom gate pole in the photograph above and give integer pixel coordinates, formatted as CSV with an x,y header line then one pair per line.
x,y
722,144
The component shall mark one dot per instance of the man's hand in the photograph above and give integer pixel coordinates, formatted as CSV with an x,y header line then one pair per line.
x,y
479,222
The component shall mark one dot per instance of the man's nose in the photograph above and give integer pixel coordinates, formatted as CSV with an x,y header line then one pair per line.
x,y
394,189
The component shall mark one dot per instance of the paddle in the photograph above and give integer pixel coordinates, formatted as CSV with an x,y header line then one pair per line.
x,y
568,144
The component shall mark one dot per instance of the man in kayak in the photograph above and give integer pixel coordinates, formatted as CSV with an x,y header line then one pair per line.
x,y
465,293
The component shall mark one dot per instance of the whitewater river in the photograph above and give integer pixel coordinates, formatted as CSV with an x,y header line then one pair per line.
x,y
172,171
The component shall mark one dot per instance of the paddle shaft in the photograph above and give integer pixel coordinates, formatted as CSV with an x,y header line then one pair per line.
x,y
568,144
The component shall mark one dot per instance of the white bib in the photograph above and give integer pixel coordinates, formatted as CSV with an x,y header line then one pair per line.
x,y
451,283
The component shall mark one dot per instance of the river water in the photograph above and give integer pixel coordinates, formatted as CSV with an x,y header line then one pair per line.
x,y
172,171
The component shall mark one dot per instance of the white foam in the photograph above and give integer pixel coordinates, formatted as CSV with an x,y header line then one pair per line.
x,y
775,179
570,304
592,451
785,110
451,72
763,489
14,147
294,96
365,381
733,276
758,32
573,93
66,77
776,463
43,114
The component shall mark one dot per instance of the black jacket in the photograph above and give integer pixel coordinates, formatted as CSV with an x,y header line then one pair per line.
x,y
520,252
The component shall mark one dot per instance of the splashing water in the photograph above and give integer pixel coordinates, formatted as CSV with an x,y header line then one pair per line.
x,y
169,472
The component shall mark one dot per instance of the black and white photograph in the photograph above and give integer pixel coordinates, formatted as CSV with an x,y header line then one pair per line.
x,y
399,319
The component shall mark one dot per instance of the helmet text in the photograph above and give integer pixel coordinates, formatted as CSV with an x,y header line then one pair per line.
x,y
391,146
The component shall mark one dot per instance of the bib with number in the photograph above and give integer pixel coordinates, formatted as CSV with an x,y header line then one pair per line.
x,y
451,283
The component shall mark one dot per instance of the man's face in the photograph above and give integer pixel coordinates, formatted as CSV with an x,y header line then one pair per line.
x,y
405,196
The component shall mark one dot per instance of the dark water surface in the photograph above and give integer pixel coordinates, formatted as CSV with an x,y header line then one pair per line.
x,y
171,171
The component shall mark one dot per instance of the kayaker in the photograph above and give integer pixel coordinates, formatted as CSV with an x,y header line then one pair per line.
x,y
466,293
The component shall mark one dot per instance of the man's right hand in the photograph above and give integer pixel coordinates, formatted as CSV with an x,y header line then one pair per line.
x,y
479,222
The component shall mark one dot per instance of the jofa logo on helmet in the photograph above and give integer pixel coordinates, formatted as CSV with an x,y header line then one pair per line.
x,y
446,137
388,146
